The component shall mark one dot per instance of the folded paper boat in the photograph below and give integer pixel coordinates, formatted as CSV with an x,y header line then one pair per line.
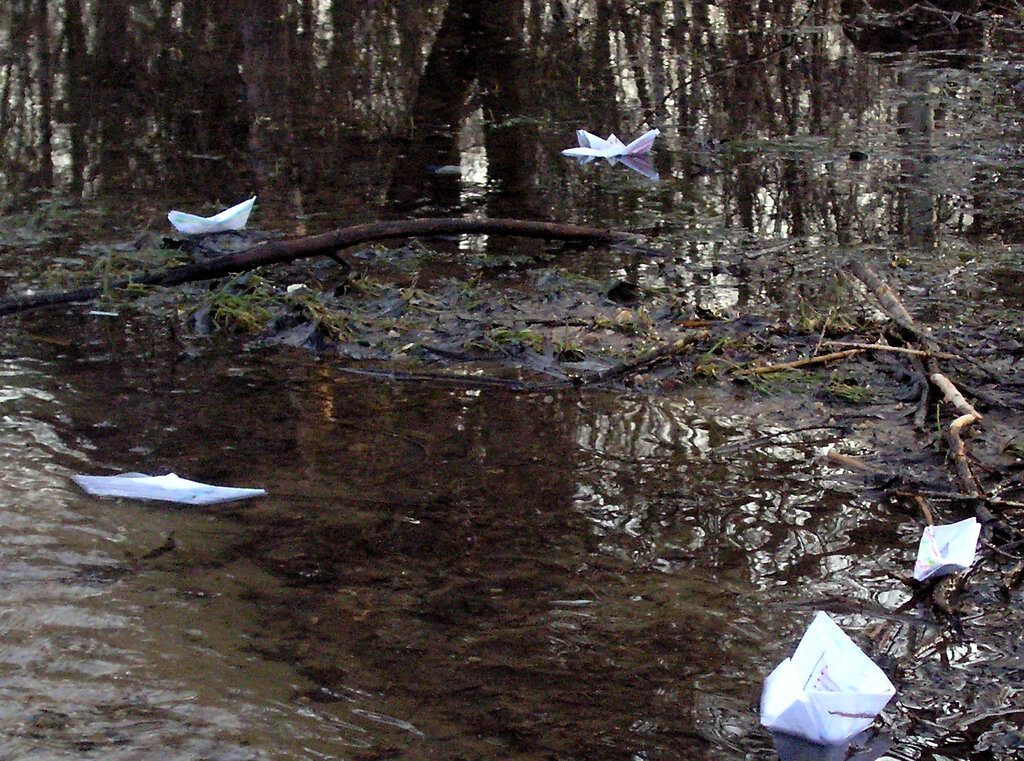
x,y
945,549
634,156
229,219
828,691
168,488
593,147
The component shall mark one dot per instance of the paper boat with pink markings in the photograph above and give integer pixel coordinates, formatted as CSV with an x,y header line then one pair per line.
x,y
946,549
633,155
827,691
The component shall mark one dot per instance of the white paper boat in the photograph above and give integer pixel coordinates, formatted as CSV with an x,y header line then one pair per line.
x,y
634,156
828,691
593,147
168,488
945,549
229,219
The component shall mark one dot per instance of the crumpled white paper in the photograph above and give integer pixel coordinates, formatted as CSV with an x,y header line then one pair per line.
x,y
828,691
634,155
168,488
945,549
229,219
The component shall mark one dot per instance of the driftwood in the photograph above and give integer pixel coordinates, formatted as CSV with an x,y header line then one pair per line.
x,y
325,244
891,305
927,367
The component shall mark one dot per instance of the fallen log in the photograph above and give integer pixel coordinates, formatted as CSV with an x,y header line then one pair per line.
x,y
324,244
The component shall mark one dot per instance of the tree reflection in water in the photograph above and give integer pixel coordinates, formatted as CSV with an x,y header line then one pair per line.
x,y
339,111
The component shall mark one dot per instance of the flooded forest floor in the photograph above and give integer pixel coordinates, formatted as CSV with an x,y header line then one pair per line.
x,y
525,499
916,361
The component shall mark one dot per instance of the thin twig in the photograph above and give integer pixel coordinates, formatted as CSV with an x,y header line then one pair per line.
x,y
958,451
922,505
853,463
647,359
797,363
887,347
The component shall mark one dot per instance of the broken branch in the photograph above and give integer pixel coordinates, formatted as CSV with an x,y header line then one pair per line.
x,y
325,244
953,396
797,363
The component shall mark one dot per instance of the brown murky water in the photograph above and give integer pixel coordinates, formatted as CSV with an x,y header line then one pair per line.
x,y
467,571
462,573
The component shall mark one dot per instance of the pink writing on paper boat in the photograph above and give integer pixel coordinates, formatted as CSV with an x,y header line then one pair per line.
x,y
945,549
229,219
827,691
634,155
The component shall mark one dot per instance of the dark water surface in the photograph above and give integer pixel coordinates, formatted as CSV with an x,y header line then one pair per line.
x,y
467,571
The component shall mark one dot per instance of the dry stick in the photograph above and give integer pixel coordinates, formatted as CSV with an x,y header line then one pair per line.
x,y
325,244
820,359
887,347
921,413
926,511
889,303
959,452
957,448
768,437
953,395
853,463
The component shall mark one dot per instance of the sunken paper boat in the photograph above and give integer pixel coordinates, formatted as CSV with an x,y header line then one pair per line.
x,y
945,549
167,488
827,691
229,219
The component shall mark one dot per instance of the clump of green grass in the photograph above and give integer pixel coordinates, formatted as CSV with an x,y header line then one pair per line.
x,y
503,336
244,304
314,306
847,391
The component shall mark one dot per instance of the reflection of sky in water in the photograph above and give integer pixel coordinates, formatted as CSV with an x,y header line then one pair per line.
x,y
643,428
668,480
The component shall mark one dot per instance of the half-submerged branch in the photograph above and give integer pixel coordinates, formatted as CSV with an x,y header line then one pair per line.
x,y
966,413
325,244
